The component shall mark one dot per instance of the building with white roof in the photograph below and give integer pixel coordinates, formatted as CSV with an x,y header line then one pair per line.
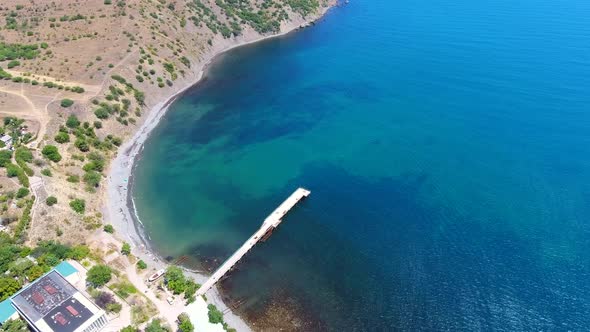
x,y
7,140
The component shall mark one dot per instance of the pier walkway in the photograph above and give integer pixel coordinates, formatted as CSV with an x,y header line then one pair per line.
x,y
270,223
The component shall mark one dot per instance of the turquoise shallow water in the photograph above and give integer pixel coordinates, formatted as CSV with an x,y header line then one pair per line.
x,y
447,148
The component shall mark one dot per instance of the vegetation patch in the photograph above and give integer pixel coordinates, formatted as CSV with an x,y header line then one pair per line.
x,y
66,102
18,51
99,275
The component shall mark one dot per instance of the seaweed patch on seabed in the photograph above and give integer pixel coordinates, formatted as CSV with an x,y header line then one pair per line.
x,y
279,312
208,257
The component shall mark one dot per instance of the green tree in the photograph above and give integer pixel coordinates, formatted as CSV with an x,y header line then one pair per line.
x,y
185,324
51,200
215,316
14,325
51,152
126,249
72,122
191,289
175,279
8,286
78,205
155,326
66,102
99,275
109,229
141,265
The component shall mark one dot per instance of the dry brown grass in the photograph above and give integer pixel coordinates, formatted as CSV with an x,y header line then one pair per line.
x,y
109,40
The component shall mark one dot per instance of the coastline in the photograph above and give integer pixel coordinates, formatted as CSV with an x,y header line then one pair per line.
x,y
120,210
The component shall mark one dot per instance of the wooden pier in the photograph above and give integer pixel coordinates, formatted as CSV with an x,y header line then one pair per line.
x,y
270,223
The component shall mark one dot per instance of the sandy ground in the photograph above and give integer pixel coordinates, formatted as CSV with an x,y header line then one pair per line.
x,y
169,312
118,211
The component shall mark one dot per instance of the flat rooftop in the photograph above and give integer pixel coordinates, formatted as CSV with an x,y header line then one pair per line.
x,y
55,301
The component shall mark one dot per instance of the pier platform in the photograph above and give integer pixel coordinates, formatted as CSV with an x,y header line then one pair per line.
x,y
270,223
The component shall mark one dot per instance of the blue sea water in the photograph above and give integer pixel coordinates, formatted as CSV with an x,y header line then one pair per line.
x,y
447,148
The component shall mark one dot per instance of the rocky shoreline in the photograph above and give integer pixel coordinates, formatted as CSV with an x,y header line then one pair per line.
x,y
120,210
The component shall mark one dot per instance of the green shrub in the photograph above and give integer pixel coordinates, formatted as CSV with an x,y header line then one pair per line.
x,y
62,137
66,102
99,275
129,328
114,307
117,141
73,178
15,325
22,192
51,200
24,154
101,113
82,145
124,289
8,286
12,170
5,157
72,122
78,205
191,289
92,179
78,252
126,249
13,64
51,152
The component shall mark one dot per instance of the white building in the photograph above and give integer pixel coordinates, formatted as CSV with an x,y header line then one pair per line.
x,y
7,140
